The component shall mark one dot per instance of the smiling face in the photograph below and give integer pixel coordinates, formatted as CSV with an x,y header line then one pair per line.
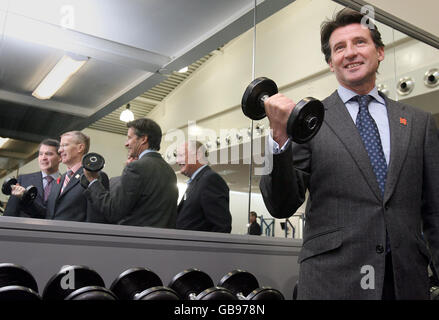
x,y
48,159
70,150
135,144
354,57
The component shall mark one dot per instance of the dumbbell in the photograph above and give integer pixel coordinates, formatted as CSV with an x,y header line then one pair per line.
x,y
141,284
86,284
246,287
304,121
93,162
434,293
17,284
194,284
29,194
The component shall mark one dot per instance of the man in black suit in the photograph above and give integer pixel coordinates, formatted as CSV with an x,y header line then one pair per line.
x,y
146,194
254,227
205,205
48,161
67,200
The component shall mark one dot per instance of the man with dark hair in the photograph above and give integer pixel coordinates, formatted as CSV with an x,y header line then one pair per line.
x,y
371,172
254,227
147,193
48,161
205,204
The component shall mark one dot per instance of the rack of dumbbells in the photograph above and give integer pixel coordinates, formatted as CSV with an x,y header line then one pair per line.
x,y
75,282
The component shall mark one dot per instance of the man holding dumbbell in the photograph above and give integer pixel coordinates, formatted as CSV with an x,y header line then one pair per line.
x,y
67,200
147,193
48,161
371,172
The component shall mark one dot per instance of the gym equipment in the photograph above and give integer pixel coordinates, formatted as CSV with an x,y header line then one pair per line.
x,y
246,287
434,293
305,119
93,162
86,284
29,195
194,284
141,284
17,284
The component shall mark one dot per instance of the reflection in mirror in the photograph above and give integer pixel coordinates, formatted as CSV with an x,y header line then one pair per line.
x,y
120,66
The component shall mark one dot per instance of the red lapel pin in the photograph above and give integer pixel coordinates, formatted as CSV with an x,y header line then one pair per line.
x,y
403,121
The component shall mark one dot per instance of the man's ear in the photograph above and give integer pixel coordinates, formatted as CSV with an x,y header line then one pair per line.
x,y
330,65
144,140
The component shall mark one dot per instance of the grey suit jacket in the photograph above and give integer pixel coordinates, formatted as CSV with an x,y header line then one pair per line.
x,y
346,216
146,195
15,208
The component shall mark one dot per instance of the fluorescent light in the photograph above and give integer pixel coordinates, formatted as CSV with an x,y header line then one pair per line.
x,y
183,70
58,76
3,141
127,115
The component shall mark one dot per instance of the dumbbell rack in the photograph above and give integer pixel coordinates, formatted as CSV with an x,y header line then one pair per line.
x,y
44,246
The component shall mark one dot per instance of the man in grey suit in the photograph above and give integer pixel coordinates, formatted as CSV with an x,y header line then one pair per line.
x,y
48,161
371,172
147,193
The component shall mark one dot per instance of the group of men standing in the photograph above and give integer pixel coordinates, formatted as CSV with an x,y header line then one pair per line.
x,y
145,194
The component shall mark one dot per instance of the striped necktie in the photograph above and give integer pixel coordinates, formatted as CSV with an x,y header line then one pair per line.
x,y
69,174
48,187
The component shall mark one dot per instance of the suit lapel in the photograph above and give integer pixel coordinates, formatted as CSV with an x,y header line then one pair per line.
x,y
339,120
400,128
53,196
192,185
73,181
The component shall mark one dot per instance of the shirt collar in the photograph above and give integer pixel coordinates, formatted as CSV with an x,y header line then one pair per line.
x,y
75,167
53,175
145,152
346,95
195,173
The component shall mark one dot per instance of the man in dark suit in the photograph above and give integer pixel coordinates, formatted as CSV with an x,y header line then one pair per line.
x,y
371,172
146,194
205,205
67,200
254,227
48,161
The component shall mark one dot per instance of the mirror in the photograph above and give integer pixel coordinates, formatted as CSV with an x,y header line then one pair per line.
x,y
205,101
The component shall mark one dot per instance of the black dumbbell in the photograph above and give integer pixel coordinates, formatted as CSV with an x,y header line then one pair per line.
x,y
141,284
246,287
17,284
434,293
93,162
304,121
29,194
87,285
194,284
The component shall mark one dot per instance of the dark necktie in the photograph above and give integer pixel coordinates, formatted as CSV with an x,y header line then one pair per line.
x,y
372,141
48,187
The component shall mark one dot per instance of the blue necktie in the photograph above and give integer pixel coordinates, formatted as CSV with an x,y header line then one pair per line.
x,y
372,141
